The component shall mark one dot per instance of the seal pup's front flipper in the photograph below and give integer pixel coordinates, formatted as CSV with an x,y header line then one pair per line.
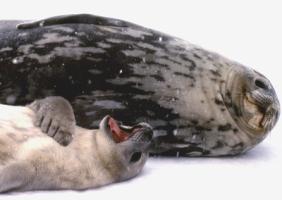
x,y
55,117
76,19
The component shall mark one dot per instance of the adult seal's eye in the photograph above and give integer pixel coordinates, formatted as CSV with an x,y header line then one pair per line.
x,y
136,156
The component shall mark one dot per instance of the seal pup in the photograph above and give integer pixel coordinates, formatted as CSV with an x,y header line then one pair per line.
x,y
31,160
199,103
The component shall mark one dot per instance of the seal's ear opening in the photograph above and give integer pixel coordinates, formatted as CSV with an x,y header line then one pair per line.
x,y
135,157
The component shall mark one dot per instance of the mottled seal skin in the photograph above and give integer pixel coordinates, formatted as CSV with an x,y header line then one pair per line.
x,y
31,160
199,103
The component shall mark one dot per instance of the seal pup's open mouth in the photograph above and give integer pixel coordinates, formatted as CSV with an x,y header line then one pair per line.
x,y
140,132
130,143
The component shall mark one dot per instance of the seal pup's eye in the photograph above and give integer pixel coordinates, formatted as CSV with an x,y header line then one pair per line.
x,y
136,156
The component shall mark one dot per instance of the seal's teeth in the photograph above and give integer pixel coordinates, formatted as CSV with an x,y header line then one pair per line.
x,y
255,120
265,121
125,127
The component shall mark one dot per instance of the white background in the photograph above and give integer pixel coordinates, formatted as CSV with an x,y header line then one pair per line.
x,y
247,31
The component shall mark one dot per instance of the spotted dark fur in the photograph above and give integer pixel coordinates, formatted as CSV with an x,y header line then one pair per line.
x,y
108,66
225,127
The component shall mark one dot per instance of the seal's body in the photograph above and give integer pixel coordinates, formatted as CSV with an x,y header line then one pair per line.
x,y
198,102
31,160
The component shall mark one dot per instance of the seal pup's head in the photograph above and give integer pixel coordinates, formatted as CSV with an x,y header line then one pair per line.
x,y
251,101
123,149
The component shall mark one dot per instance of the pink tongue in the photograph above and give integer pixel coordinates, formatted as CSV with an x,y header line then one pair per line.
x,y
118,134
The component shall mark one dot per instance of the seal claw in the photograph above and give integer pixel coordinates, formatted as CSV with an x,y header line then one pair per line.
x,y
55,117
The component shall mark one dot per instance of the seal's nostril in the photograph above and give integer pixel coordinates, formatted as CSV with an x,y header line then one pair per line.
x,y
261,84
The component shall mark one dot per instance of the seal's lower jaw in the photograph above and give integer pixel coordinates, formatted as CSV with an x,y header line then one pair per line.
x,y
252,113
259,113
254,116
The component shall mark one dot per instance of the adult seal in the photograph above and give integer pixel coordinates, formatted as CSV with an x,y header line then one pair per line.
x,y
198,102
30,160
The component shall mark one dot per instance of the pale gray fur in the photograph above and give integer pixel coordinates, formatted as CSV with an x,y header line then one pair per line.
x,y
31,160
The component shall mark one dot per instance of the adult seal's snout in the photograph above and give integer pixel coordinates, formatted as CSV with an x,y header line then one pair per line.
x,y
253,102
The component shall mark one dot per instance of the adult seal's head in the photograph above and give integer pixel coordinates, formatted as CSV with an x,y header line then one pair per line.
x,y
251,101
